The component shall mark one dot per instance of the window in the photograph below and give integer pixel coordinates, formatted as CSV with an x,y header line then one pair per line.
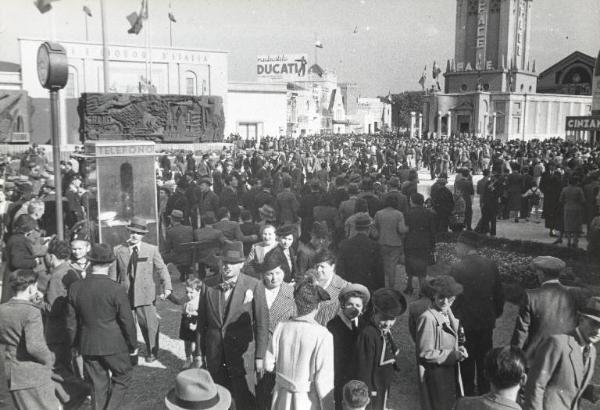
x,y
190,83
486,87
463,87
72,89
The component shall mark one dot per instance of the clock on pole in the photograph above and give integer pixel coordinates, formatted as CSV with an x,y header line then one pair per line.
x,y
53,73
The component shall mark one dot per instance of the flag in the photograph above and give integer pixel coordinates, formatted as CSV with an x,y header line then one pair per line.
x,y
136,19
87,11
43,5
172,17
318,44
435,71
423,78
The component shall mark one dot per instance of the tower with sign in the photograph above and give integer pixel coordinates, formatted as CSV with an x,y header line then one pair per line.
x,y
492,45
490,87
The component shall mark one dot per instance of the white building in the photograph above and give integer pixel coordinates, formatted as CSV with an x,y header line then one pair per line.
x,y
132,69
256,110
372,115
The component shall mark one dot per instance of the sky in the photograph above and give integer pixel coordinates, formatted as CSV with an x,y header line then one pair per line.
x,y
395,39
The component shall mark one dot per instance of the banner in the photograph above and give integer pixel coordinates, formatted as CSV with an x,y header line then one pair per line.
x,y
281,67
589,123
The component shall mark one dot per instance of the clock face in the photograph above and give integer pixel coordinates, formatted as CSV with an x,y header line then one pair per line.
x,y
43,65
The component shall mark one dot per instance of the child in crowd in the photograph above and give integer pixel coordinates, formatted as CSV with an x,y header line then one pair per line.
x,y
189,318
534,196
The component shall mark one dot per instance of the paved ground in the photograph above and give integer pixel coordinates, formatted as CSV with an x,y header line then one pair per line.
x,y
152,382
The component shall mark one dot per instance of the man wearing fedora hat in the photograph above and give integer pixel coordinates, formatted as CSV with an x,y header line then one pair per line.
x,y
195,389
563,367
232,316
136,263
102,323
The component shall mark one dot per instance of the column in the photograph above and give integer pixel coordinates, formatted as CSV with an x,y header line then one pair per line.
x,y
449,123
420,125
494,126
439,124
412,124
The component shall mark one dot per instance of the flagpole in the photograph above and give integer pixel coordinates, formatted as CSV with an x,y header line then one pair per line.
x,y
87,37
104,47
170,27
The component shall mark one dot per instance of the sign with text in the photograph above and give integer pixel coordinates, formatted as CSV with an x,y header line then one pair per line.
x,y
588,123
482,22
281,67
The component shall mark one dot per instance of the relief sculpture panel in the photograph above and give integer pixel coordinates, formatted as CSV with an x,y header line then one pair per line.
x,y
159,118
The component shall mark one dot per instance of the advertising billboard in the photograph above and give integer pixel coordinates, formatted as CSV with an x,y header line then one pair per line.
x,y
281,67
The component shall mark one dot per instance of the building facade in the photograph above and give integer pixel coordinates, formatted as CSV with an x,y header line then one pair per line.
x,y
491,83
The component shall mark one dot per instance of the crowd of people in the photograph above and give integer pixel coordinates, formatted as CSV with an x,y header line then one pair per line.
x,y
292,255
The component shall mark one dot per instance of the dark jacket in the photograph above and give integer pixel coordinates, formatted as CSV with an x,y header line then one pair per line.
x,y
225,333
174,252
548,310
100,319
482,300
421,230
359,261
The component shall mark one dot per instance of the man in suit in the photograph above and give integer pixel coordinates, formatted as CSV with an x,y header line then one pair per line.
x,y
358,257
101,323
210,241
477,308
346,208
564,364
136,263
279,297
231,229
551,309
286,252
232,314
178,234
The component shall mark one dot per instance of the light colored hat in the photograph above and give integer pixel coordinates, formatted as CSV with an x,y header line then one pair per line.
x,y
195,389
549,263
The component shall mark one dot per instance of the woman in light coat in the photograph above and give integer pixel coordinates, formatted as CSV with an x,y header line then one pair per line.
x,y
301,355
438,349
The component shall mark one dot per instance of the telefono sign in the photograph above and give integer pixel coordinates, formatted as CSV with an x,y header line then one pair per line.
x,y
281,67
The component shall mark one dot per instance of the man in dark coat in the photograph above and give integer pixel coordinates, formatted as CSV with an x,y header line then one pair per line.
x,y
549,310
442,201
208,202
232,314
477,308
491,192
178,234
359,258
419,242
551,185
100,322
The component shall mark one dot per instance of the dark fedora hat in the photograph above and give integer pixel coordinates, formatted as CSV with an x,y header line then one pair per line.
x,y
272,260
195,389
592,309
205,180
101,253
233,252
445,285
389,301
138,225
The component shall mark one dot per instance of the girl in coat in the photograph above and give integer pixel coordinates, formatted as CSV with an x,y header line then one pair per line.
x,y
376,351
344,328
438,349
301,354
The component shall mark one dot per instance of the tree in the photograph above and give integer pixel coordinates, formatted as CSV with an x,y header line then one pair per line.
x,y
405,103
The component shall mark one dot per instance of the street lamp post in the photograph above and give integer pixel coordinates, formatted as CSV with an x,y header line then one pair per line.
x,y
104,47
